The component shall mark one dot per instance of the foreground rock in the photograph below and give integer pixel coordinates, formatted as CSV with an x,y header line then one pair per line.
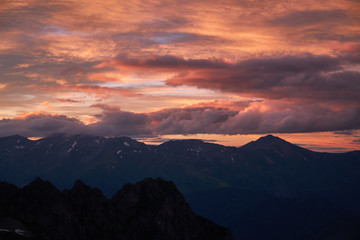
x,y
150,209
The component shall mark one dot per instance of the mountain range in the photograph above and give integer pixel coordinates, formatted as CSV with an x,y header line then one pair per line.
x,y
286,191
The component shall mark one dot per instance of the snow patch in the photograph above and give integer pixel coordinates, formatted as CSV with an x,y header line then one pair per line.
x,y
72,146
20,232
4,230
19,147
126,144
278,152
49,148
194,150
118,152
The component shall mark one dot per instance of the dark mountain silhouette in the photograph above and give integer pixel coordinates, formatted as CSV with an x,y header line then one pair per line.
x,y
150,209
270,168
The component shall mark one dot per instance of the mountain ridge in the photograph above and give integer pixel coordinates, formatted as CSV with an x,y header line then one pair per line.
x,y
265,140
81,212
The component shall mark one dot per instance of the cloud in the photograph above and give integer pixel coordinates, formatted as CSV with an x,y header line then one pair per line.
x,y
111,123
190,120
347,132
40,125
27,16
310,17
301,78
257,118
97,90
287,119
163,63
67,100
308,78
120,123
248,118
106,107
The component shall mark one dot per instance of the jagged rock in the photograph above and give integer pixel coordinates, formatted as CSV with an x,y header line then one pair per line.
x,y
150,209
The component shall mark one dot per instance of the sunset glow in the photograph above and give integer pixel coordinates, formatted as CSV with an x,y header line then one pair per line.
x,y
222,71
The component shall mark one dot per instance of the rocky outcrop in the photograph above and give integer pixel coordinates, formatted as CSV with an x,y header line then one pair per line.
x,y
150,209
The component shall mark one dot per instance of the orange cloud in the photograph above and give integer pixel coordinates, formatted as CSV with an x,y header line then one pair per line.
x,y
26,115
47,105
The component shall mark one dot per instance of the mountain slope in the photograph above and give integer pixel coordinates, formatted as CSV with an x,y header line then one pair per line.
x,y
256,216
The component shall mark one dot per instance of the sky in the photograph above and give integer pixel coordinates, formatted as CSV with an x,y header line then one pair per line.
x,y
225,71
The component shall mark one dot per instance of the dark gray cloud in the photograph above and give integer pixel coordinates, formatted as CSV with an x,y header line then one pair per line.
x,y
168,62
301,78
312,118
121,123
40,125
111,123
276,119
190,120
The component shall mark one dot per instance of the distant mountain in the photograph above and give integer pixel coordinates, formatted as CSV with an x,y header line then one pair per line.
x,y
271,142
150,209
269,166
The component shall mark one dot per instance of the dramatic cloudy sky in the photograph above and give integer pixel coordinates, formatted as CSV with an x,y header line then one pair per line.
x,y
226,71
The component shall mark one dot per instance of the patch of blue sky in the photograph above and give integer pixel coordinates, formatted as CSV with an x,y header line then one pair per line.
x,y
55,30
159,37
174,37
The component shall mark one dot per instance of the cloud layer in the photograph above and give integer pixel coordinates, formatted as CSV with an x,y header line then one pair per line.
x,y
253,118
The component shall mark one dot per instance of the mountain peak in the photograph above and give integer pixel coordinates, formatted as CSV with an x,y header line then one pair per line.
x,y
81,189
39,182
270,139
271,143
80,185
40,186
